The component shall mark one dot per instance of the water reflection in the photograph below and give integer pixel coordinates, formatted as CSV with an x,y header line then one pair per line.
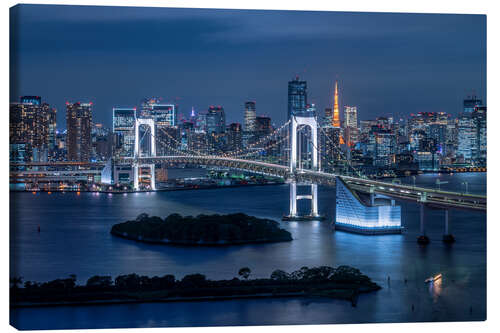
x,y
75,239
435,289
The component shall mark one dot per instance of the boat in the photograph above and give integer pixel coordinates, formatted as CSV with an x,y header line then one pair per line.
x,y
434,278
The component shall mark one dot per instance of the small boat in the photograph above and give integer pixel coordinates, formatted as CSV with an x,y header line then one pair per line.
x,y
434,278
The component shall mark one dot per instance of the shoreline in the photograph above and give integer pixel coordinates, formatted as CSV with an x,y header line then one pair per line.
x,y
210,187
188,243
347,294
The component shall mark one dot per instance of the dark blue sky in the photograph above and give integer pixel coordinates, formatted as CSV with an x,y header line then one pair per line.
x,y
386,64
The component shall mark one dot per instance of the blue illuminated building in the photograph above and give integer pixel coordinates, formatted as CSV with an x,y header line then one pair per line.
x,y
365,214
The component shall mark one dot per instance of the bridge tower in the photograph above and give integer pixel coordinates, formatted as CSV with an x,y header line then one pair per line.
x,y
295,159
137,154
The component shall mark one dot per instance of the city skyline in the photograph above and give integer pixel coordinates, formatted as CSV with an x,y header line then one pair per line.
x,y
132,72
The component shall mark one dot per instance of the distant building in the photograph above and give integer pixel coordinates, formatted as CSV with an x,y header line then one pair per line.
x,y
471,132
34,100
263,126
297,97
351,117
216,120
250,115
471,103
234,137
79,126
32,124
124,131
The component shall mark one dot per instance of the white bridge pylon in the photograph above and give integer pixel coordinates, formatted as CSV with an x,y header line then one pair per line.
x,y
294,160
148,122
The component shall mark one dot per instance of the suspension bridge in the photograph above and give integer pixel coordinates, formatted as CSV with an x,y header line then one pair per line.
x,y
362,193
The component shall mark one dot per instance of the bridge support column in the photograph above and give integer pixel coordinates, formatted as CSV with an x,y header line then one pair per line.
x,y
447,237
314,200
135,170
422,239
293,199
153,177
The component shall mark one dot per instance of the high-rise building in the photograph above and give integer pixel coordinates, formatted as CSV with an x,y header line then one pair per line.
x,y
164,114
327,121
33,125
124,131
34,100
351,117
234,137
263,126
297,97
479,115
250,115
336,119
471,132
79,126
471,103
216,120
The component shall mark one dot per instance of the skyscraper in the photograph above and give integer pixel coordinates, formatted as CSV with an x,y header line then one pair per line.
x,y
471,103
336,119
234,137
79,126
216,120
164,114
124,131
33,125
351,117
297,97
250,114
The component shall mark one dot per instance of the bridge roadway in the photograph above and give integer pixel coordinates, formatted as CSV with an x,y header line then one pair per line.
x,y
431,197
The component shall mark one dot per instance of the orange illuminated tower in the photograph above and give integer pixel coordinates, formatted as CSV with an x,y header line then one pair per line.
x,y
335,119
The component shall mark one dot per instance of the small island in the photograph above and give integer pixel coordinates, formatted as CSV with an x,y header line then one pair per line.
x,y
343,282
230,229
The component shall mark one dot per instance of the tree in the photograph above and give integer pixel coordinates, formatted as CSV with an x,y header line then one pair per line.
x,y
244,272
99,281
279,275
16,281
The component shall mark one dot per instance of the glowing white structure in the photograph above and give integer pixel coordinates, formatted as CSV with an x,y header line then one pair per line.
x,y
148,122
374,215
295,160
152,175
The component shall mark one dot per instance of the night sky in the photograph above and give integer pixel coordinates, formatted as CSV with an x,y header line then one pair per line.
x,y
386,64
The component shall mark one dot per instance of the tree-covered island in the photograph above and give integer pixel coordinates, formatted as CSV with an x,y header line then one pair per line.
x,y
343,282
214,229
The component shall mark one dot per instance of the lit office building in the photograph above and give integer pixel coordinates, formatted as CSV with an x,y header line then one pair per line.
x,y
124,131
216,120
471,103
79,126
164,114
234,137
297,97
250,115
351,117
33,124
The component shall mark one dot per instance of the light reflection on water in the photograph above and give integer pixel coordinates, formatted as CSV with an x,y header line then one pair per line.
x,y
75,238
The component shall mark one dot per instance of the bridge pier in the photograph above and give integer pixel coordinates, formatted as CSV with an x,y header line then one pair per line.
x,y
151,167
293,199
422,239
447,237
293,215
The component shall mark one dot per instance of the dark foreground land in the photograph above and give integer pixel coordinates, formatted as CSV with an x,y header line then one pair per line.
x,y
343,282
215,229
